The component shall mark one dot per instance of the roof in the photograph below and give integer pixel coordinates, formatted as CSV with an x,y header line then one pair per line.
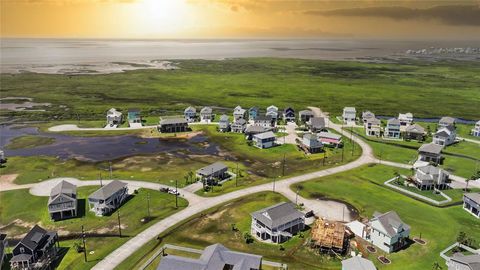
x,y
212,168
206,110
374,121
430,169
170,121
264,135
357,263
134,110
393,121
64,188
473,261
108,190
272,108
405,116
310,136
256,129
447,120
368,114
305,112
238,110
190,109
317,122
254,108
389,222
444,132
431,148
277,214
263,118
21,258
240,122
224,118
288,109
329,135
114,112
415,128
474,196
349,109
34,237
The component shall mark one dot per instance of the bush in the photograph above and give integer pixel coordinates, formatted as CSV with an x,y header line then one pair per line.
x,y
248,237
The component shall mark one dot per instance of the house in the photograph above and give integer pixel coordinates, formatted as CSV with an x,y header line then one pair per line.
x,y
388,231
214,257
289,114
238,113
460,261
62,202
213,173
330,139
415,132
264,140
34,248
405,119
239,126
445,136
206,115
224,123
277,223
430,153
3,247
311,143
329,236
446,121
471,203
476,130
316,124
173,125
190,114
392,130
357,263
349,114
273,112
265,121
108,198
305,115
367,115
134,117
373,127
430,177
252,130
253,112
114,117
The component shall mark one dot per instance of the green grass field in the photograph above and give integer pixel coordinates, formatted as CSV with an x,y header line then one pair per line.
x,y
363,189
29,141
445,88
19,211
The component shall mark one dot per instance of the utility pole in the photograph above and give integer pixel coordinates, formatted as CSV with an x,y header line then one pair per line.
x,y
148,205
84,244
274,184
110,163
324,156
176,193
343,151
236,177
100,176
283,166
296,197
119,224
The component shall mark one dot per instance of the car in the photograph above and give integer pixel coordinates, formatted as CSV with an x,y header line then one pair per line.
x,y
173,192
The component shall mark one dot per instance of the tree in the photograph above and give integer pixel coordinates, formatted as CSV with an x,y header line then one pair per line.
x,y
248,237
436,266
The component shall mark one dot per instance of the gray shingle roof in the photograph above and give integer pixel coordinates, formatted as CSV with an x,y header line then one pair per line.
x,y
212,168
368,114
277,214
63,188
190,109
35,236
264,135
224,118
374,121
240,121
415,128
170,121
309,136
473,261
393,121
305,112
390,221
431,148
357,263
206,110
21,258
263,118
256,129
474,196
447,120
317,122
349,109
108,190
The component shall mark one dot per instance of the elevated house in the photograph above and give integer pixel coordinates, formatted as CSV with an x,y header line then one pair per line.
x,y
311,143
239,126
415,132
134,117
62,202
330,139
252,130
367,115
238,113
373,127
329,236
277,223
3,247
206,115
445,136
476,130
289,114
114,117
305,115
446,121
357,263
273,112
253,112
108,198
388,232
224,123
265,121
214,257
190,114
34,249
213,173
471,203
430,177
431,153
405,119
173,125
392,131
316,124
264,140
460,261
349,115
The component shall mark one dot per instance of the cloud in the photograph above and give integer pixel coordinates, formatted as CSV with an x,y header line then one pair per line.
x,y
465,15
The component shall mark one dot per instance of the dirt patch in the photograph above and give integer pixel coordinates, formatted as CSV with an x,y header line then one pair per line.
x,y
216,215
6,180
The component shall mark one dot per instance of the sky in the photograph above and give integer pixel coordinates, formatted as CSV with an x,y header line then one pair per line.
x,y
143,19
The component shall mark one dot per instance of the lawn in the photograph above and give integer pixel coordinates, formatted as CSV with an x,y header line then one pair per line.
x,y
29,141
19,211
363,189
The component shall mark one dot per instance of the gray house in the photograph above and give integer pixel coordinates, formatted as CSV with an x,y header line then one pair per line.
x,y
415,132
430,153
277,223
373,127
264,121
445,136
224,123
108,198
114,117
239,113
172,125
252,130
311,143
214,257
213,173
446,121
239,126
190,114
366,115
206,114
273,112
316,124
464,262
392,130
264,140
388,231
471,203
305,115
357,263
62,202
430,177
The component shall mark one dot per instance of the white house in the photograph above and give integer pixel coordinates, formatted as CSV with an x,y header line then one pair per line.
x,y
388,232
349,114
430,152
471,203
206,115
273,112
311,142
429,177
366,115
392,130
108,198
224,123
265,121
446,121
373,127
405,119
476,129
239,113
114,117
190,114
264,140
445,136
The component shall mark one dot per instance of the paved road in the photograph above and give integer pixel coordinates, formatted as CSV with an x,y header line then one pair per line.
x,y
72,127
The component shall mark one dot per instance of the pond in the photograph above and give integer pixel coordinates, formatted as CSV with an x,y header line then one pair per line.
x,y
102,148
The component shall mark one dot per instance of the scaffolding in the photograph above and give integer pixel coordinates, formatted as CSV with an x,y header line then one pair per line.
x,y
329,236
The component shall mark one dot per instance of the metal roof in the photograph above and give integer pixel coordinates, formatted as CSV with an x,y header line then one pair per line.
x,y
212,168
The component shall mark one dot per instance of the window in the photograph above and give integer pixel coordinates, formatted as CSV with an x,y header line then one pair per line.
x,y
22,250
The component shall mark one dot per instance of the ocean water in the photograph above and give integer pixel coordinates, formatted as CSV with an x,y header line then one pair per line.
x,y
106,56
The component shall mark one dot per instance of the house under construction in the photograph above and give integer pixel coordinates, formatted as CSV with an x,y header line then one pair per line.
x,y
329,236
